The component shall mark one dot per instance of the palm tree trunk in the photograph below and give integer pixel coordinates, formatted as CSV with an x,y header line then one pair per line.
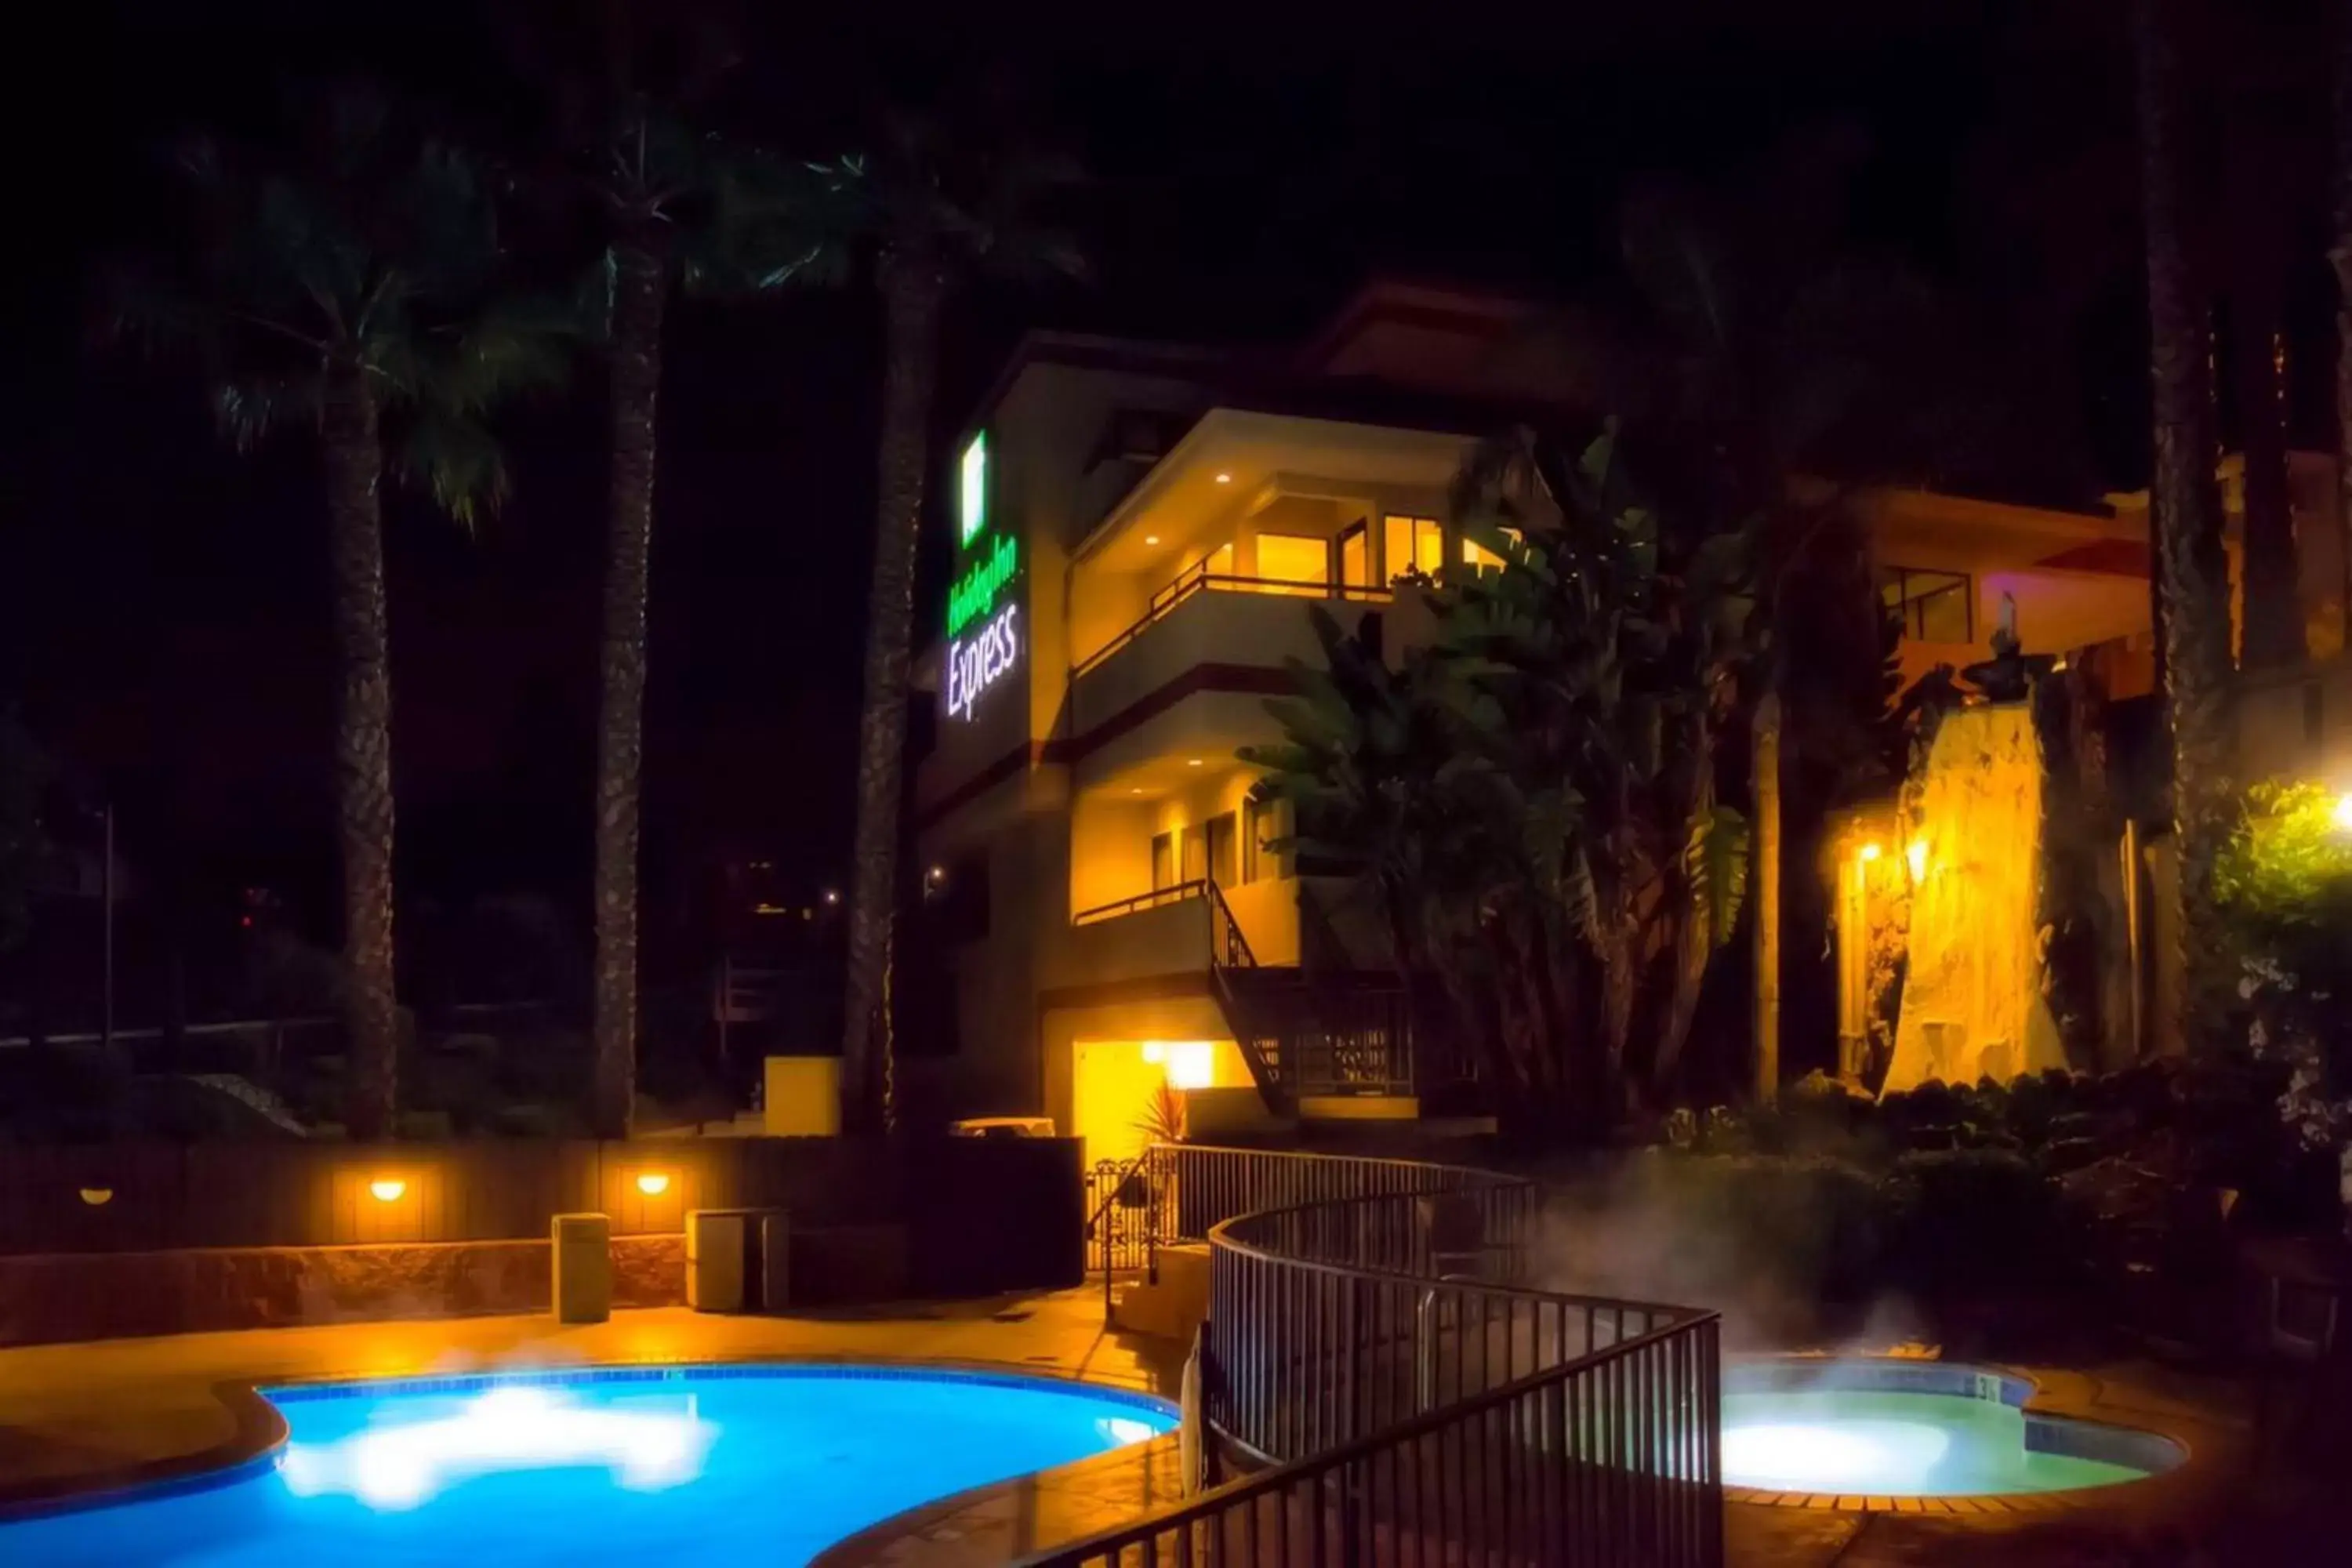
x,y
353,458
2340,253
2273,631
2191,568
913,290
638,303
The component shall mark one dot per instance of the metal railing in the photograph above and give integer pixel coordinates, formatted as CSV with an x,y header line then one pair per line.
x,y
1198,579
1369,1344
1175,893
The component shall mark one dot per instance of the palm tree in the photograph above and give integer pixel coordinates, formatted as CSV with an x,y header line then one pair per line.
x,y
2261,151
2192,572
2340,253
351,291
677,207
935,209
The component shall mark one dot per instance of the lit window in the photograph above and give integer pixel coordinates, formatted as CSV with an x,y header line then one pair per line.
x,y
1936,606
1356,557
1478,558
1293,558
1408,543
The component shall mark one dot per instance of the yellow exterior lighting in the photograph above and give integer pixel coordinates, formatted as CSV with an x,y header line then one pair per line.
x,y
98,1197
1224,478
2343,813
1192,762
1151,539
1917,857
653,1184
1153,1051
1869,852
387,1189
1192,1064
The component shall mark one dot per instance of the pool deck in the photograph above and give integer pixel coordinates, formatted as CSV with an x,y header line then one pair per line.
x,y
2150,1522
79,1418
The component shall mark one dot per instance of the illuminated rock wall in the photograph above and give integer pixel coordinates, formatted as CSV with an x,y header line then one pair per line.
x,y
1972,995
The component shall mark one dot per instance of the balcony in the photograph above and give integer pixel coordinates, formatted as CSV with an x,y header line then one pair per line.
x,y
1208,618
1169,931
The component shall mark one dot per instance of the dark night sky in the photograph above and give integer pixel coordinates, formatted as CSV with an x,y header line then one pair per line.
x,y
163,600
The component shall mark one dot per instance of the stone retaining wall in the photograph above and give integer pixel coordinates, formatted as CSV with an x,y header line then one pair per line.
x,y
50,1297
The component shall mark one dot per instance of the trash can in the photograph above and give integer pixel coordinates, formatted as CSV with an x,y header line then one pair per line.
x,y
582,1260
737,1260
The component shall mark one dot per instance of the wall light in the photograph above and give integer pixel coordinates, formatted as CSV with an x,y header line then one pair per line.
x,y
832,895
98,1197
1916,854
1869,852
653,1184
2344,811
1224,478
1151,539
1192,762
387,1189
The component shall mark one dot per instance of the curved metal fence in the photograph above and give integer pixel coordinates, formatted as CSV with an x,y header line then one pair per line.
x,y
1398,1395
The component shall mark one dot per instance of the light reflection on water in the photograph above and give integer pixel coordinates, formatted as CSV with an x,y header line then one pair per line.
x,y
401,1463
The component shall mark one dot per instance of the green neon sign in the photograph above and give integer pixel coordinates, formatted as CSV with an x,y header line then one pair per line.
x,y
972,490
975,593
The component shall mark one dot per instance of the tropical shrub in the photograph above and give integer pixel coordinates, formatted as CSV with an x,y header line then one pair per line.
x,y
1531,799
2284,886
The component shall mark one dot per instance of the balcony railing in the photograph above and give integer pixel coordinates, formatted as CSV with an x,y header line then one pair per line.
x,y
1198,579
1153,899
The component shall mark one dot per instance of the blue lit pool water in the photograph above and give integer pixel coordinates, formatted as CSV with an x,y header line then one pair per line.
x,y
1860,1427
735,1465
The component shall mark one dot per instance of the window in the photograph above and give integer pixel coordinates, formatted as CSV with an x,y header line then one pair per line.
x,y
1407,543
1261,823
1293,558
1220,849
1478,558
1356,556
1936,606
1196,854
1163,860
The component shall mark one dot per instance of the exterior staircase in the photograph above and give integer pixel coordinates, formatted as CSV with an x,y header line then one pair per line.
x,y
1172,1301
1318,1032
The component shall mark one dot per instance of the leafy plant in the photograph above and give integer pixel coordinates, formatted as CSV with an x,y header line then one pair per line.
x,y
1532,797
1162,1120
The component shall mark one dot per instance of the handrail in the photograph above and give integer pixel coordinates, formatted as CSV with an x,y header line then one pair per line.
x,y
1226,935
1107,1544
1197,579
1118,1186
1337,1326
1175,893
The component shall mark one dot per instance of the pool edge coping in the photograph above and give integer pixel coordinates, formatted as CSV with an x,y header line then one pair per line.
x,y
261,1429
2039,1401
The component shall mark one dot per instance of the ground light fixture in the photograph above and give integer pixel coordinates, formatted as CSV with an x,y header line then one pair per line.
x,y
387,1189
653,1184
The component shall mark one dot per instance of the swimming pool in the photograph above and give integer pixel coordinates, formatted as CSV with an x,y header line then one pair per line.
x,y
637,1466
1864,1428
